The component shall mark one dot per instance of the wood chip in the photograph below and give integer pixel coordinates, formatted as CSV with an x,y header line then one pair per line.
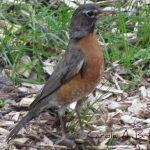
x,y
130,120
3,131
4,123
25,102
20,140
16,116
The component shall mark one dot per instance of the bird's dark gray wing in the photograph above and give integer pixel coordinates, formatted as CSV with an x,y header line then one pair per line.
x,y
68,67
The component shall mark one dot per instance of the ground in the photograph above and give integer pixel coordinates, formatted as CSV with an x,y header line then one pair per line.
x,y
116,115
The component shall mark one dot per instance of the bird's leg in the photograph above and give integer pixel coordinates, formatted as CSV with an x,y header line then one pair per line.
x,y
61,113
62,127
64,140
77,109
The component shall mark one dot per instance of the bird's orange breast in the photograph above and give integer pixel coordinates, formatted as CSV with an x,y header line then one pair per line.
x,y
81,85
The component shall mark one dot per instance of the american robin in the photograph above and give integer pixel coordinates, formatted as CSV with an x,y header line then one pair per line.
x,y
76,75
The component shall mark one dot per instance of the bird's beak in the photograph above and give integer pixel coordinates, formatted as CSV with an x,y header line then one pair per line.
x,y
102,13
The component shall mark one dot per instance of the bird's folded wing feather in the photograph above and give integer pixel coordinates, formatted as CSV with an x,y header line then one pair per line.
x,y
68,67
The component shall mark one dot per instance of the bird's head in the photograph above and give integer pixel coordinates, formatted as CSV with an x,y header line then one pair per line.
x,y
83,20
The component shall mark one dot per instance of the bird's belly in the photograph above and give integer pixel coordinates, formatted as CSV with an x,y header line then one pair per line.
x,y
78,87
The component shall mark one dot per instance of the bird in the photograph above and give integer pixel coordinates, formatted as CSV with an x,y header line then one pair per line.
x,y
76,75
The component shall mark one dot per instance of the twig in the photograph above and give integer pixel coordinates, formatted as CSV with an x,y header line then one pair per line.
x,y
41,147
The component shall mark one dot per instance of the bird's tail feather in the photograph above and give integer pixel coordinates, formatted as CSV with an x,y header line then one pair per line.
x,y
34,111
29,116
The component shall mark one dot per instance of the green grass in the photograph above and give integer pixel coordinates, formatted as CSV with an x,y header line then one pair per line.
x,y
40,26
128,54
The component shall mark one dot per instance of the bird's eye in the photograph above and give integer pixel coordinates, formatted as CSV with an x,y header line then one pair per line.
x,y
90,14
